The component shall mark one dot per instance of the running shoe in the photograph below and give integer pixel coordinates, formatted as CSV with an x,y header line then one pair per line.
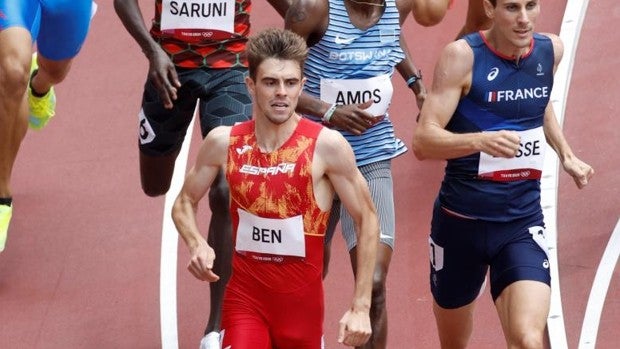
x,y
5,217
41,108
211,340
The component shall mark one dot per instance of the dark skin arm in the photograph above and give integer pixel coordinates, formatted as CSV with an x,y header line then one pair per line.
x,y
406,67
161,69
281,6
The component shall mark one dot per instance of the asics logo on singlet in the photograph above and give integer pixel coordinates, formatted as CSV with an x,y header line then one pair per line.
x,y
285,167
493,74
343,41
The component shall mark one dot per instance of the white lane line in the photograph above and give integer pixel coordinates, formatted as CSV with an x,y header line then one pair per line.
x,y
169,243
572,22
594,309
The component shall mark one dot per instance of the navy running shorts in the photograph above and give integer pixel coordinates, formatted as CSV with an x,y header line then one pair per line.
x,y
222,99
462,250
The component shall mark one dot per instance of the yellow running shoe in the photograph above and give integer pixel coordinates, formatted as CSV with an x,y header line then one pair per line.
x,y
41,108
5,217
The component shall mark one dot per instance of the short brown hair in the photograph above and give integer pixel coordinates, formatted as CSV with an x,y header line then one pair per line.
x,y
275,43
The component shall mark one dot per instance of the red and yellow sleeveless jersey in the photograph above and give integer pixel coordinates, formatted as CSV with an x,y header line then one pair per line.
x,y
278,228
210,34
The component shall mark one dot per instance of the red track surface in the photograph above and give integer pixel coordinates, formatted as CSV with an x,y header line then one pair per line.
x,y
81,268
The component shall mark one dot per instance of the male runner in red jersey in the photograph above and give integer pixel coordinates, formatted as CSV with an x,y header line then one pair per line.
x,y
196,55
283,171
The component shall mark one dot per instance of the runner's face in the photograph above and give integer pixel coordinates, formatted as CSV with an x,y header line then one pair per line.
x,y
514,20
276,89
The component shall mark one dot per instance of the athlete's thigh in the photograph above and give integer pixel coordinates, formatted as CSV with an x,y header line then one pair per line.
x,y
243,322
457,258
224,99
380,184
161,130
523,307
245,331
64,25
520,253
296,319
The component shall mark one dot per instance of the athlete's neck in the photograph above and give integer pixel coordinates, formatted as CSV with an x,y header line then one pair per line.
x,y
379,3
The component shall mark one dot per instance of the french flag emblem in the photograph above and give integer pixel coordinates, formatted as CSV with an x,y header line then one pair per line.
x,y
492,96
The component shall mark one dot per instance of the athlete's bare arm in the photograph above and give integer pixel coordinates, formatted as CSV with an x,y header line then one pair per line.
x,y
432,12
579,170
406,67
476,18
281,6
211,159
161,69
451,81
429,12
335,161
308,19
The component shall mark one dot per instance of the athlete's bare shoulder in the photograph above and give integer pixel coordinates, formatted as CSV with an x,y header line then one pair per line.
x,y
453,69
334,150
458,54
214,148
558,47
307,10
308,18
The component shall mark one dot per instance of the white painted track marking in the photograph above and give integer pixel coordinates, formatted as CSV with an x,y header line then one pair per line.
x,y
572,21
169,251
594,309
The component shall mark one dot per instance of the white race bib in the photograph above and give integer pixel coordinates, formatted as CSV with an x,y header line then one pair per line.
x,y
379,89
527,164
283,237
207,15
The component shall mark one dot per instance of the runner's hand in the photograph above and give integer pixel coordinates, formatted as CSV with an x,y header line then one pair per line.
x,y
355,328
579,170
201,263
163,74
502,143
353,118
